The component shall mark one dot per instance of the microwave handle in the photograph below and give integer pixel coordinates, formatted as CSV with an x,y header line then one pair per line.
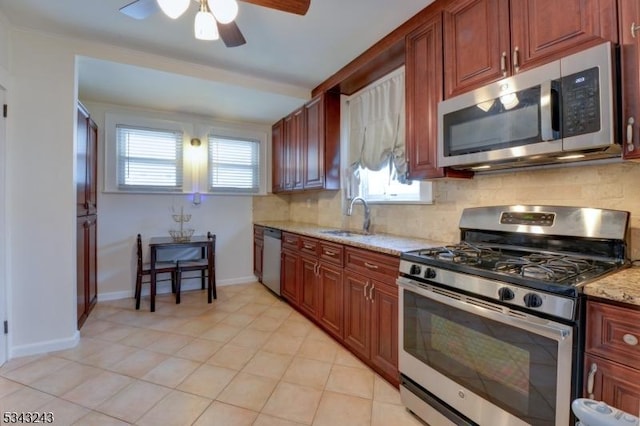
x,y
546,112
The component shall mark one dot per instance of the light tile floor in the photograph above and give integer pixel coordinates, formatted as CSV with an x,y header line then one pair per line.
x,y
246,359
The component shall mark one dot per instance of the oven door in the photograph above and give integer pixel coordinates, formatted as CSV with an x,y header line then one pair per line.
x,y
492,365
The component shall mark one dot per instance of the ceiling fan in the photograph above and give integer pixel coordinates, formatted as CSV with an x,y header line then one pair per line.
x,y
215,18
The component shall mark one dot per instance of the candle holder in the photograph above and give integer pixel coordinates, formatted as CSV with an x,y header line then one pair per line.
x,y
181,234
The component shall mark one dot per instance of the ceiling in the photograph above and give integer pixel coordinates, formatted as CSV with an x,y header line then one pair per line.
x,y
285,54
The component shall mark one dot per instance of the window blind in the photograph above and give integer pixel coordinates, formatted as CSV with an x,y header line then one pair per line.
x,y
234,165
149,159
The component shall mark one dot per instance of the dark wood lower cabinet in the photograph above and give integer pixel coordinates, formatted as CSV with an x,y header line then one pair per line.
x,y
87,277
258,250
350,293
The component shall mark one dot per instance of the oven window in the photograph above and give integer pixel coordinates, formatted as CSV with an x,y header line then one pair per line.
x,y
510,367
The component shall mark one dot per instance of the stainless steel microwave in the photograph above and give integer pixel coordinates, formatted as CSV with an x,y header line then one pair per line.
x,y
558,112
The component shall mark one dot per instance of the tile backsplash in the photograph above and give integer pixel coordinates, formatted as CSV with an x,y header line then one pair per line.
x,y
611,186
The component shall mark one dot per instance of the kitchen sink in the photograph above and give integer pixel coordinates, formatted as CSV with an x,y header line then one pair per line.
x,y
342,233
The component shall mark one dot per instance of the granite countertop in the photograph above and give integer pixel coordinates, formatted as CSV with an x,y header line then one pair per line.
x,y
622,286
383,243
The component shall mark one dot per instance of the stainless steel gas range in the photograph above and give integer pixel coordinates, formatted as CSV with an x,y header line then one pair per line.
x,y
491,329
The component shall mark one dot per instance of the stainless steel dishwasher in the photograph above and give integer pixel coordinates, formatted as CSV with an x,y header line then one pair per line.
x,y
271,259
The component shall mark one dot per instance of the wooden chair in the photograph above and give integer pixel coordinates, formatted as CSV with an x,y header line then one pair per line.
x,y
144,268
201,265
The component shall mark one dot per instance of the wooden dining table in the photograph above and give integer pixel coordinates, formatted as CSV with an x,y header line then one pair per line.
x,y
156,244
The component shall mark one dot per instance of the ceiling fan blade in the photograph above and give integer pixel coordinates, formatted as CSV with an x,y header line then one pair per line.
x,y
299,7
140,9
231,34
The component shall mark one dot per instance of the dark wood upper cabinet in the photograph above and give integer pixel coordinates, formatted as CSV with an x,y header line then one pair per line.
x,y
486,40
306,147
629,19
86,163
423,81
277,157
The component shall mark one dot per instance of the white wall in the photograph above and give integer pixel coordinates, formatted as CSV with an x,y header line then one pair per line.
x,y
122,216
41,196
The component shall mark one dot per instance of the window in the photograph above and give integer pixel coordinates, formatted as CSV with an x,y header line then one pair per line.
x,y
383,186
234,165
149,159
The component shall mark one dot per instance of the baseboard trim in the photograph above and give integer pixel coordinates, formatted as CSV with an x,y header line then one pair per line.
x,y
44,347
165,287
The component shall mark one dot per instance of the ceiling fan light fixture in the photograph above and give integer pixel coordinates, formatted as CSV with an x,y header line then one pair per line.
x,y
205,27
224,11
173,8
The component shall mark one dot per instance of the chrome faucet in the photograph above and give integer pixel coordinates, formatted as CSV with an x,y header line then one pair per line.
x,y
367,213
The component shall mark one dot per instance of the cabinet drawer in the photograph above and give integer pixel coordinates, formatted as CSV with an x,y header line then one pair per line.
x,y
370,263
332,253
291,241
309,245
613,332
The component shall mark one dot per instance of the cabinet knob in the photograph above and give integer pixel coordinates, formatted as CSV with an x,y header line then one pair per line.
x,y
634,29
370,265
591,378
630,339
364,290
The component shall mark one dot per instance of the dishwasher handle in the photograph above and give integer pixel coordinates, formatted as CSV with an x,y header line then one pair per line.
x,y
273,233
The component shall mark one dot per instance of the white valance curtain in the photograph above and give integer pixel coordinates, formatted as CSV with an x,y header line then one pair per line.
x,y
377,126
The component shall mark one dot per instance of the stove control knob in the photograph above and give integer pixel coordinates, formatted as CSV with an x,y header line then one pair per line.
x,y
430,273
532,300
415,270
505,293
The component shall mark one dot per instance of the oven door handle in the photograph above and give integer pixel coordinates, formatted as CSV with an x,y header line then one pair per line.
x,y
533,324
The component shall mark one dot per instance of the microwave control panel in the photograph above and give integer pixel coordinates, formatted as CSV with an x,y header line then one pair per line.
x,y
581,103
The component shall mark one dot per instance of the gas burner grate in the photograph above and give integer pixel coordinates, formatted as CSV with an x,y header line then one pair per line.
x,y
463,253
545,267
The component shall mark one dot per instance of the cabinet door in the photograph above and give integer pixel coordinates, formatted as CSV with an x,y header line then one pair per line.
x,y
91,241
293,133
545,30
476,44
258,249
384,329
313,144
92,167
81,268
278,164
357,324
617,385
330,305
289,277
423,70
630,69
82,135
309,285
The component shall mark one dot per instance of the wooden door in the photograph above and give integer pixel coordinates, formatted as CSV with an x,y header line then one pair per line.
x,y
289,277
313,144
81,268
91,241
629,15
545,30
309,285
615,384
384,329
330,307
423,77
92,167
476,44
82,135
278,161
258,250
357,324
